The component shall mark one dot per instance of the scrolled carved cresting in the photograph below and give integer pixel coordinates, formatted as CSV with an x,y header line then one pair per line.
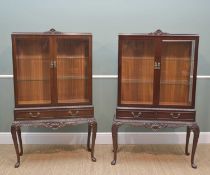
x,y
158,32
53,31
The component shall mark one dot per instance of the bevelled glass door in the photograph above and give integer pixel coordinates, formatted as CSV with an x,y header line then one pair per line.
x,y
137,71
72,55
33,70
176,79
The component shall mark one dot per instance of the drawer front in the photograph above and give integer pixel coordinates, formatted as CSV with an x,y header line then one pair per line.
x,y
75,113
136,114
54,114
34,115
176,116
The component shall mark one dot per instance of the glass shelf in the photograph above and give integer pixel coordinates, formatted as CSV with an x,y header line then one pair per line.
x,y
176,82
136,102
19,80
73,100
29,102
139,58
177,59
34,57
175,103
136,81
72,77
71,57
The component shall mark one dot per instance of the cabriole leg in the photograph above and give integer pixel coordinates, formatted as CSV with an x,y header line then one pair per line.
x,y
20,140
14,137
196,130
115,141
88,139
187,141
94,130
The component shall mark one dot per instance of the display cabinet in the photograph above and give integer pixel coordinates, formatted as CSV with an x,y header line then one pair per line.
x,y
52,83
157,83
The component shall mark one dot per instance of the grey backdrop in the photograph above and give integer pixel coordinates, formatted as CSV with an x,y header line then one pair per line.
x,y
104,19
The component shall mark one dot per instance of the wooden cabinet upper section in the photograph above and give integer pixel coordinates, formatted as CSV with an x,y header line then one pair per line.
x,y
157,69
52,68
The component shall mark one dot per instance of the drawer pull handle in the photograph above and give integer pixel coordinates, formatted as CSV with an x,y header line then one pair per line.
x,y
137,115
34,115
72,113
175,116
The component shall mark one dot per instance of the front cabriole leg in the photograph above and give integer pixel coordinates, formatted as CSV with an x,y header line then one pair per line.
x,y
115,127
187,140
196,130
20,140
14,137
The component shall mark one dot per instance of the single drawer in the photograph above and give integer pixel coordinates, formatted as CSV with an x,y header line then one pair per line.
x,y
75,113
136,114
34,114
176,116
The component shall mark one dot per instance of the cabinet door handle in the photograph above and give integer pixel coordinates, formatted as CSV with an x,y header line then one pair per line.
x,y
71,113
52,64
175,116
157,65
139,114
34,115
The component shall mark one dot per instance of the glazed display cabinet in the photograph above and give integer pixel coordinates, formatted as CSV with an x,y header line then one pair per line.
x,y
156,83
52,83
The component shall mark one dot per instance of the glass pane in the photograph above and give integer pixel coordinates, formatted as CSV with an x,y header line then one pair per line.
x,y
72,59
176,80
33,70
137,71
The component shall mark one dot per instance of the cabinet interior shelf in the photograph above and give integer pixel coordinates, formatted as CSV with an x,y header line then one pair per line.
x,y
136,81
59,78
19,80
153,58
71,57
72,77
22,102
138,58
83,100
29,58
181,82
136,102
176,82
177,59
175,103
34,57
